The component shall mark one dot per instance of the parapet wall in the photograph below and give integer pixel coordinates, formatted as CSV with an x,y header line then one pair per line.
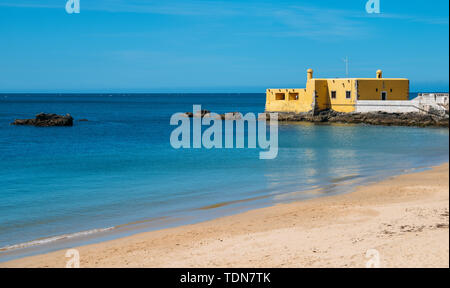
x,y
436,104
366,106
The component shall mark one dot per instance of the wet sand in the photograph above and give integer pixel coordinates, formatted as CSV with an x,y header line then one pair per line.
x,y
403,220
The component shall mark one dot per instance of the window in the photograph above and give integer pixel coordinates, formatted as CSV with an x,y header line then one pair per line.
x,y
333,94
293,96
376,89
383,96
391,90
348,94
279,96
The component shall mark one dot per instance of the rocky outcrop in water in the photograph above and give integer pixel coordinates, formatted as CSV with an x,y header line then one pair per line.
x,y
207,114
373,118
330,116
46,120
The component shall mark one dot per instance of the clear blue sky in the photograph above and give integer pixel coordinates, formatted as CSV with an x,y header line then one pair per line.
x,y
217,46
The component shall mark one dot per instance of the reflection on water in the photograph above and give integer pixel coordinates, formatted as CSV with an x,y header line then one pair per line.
x,y
330,159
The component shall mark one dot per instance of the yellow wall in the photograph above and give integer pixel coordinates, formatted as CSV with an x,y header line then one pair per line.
x,y
303,103
370,89
321,90
318,94
341,103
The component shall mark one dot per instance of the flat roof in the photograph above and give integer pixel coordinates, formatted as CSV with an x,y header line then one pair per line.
x,y
360,79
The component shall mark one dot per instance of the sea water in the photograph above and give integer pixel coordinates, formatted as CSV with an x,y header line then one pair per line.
x,y
118,172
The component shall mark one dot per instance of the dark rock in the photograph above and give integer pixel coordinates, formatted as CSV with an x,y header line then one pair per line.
x,y
372,118
46,120
199,114
202,113
331,116
232,116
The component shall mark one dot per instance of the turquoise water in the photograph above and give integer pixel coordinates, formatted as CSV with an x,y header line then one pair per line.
x,y
119,167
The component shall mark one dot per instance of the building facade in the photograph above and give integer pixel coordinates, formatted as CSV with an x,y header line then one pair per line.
x,y
339,94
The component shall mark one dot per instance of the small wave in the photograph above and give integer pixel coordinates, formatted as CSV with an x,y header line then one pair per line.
x,y
222,204
53,239
344,178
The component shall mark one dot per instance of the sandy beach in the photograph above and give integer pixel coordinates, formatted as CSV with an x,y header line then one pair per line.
x,y
405,219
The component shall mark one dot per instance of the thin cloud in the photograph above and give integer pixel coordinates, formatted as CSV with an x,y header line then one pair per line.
x,y
290,20
318,22
218,8
133,6
28,4
417,19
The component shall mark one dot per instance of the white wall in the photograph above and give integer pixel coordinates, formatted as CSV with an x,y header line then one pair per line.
x,y
390,106
425,103
433,98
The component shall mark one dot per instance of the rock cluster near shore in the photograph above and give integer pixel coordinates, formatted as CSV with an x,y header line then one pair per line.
x,y
46,120
207,114
373,118
330,116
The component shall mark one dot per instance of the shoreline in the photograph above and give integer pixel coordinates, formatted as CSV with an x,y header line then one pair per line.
x,y
299,234
46,245
408,119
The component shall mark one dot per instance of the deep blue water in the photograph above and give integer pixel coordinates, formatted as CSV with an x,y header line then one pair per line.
x,y
119,167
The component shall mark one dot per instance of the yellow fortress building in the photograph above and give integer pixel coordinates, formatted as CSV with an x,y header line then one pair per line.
x,y
338,94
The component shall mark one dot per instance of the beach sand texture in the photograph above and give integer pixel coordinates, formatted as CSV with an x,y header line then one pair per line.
x,y
404,218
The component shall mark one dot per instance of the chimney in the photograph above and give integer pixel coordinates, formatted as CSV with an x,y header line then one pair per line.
x,y
379,74
310,74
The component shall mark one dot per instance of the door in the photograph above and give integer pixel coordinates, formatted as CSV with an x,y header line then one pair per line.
x,y
383,96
